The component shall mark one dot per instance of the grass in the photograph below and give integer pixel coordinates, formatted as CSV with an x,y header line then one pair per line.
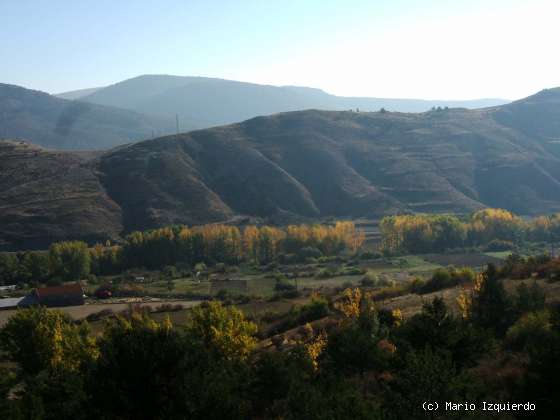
x,y
502,255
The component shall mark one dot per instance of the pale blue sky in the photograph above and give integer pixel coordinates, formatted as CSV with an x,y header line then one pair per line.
x,y
400,48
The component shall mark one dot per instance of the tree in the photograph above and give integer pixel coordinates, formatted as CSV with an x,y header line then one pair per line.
x,y
491,307
8,268
223,330
139,372
354,346
437,328
426,376
38,338
69,260
34,267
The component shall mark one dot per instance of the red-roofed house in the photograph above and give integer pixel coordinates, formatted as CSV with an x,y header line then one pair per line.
x,y
66,295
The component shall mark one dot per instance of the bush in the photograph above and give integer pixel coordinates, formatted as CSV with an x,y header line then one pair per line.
x,y
309,252
283,285
498,245
170,272
417,285
222,294
167,307
441,279
104,313
286,294
370,255
330,259
220,268
531,330
352,271
373,280
318,308
288,259
326,273
370,280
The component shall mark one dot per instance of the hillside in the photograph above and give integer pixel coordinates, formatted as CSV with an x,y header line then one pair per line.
x,y
47,195
289,166
202,102
77,94
62,124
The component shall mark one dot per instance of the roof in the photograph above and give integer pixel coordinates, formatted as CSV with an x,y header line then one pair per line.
x,y
65,290
10,302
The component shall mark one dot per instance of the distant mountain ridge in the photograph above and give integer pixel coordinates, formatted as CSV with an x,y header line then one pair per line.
x,y
202,102
77,94
58,123
148,106
291,166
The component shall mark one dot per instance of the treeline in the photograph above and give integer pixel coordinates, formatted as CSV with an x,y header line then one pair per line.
x,y
154,249
495,229
365,363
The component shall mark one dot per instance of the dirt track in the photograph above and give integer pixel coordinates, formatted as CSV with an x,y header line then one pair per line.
x,y
79,312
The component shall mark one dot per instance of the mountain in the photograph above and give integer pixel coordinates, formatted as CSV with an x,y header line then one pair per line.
x,y
202,102
47,195
77,94
290,166
62,124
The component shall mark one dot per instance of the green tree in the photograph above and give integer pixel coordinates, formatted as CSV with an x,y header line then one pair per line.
x,y
34,267
491,307
139,373
38,338
8,268
69,260
426,376
222,329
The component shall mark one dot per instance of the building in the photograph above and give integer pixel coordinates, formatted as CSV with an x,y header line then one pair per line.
x,y
18,302
66,295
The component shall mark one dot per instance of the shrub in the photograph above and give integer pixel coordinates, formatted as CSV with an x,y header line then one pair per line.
x,y
498,245
417,285
318,308
104,313
283,285
288,259
309,252
352,271
370,255
220,268
285,294
222,294
441,279
326,273
370,280
531,330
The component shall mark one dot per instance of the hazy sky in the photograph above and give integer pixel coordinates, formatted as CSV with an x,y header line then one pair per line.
x,y
454,49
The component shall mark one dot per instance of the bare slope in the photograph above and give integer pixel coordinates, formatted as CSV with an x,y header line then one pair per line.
x,y
47,196
293,165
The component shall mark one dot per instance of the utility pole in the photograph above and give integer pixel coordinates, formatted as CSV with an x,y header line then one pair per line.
x,y
177,122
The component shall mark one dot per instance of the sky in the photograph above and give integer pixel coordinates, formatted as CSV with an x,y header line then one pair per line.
x,y
431,49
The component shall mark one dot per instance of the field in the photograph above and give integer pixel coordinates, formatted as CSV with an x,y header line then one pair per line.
x,y
81,312
255,283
